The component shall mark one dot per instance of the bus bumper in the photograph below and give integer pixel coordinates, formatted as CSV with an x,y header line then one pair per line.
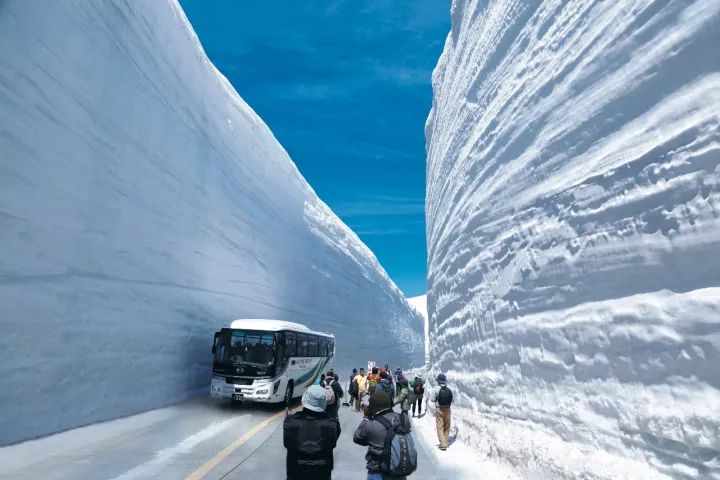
x,y
257,392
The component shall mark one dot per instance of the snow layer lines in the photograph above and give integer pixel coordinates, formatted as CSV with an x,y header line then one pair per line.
x,y
573,233
143,205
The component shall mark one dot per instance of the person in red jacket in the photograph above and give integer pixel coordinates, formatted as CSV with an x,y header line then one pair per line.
x,y
373,380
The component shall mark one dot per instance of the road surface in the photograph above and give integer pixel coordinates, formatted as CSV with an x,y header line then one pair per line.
x,y
200,439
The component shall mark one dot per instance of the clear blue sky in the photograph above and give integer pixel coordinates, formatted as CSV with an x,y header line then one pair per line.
x,y
345,87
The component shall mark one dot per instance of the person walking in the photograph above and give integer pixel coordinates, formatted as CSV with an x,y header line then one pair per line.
x,y
406,397
310,437
361,380
352,389
386,368
385,385
418,388
442,397
372,433
398,374
373,379
336,392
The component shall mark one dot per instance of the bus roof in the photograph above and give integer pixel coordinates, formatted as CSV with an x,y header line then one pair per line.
x,y
272,326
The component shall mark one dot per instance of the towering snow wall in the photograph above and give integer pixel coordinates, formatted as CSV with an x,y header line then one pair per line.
x,y
143,205
574,233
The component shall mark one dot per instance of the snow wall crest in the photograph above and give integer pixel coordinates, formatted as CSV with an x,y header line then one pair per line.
x,y
573,234
144,205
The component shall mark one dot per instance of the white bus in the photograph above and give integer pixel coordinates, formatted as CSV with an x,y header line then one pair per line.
x,y
268,361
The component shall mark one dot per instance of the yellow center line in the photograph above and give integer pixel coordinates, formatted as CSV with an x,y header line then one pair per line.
x,y
217,459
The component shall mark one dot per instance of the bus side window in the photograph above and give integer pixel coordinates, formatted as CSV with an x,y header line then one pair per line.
x,y
290,344
280,358
302,345
331,347
323,346
313,346
215,342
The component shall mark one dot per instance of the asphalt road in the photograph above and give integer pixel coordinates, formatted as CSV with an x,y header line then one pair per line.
x,y
201,439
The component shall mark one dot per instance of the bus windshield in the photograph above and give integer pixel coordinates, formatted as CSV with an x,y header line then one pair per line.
x,y
246,346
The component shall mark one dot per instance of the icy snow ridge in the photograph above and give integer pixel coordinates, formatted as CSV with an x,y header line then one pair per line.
x,y
573,234
419,303
143,205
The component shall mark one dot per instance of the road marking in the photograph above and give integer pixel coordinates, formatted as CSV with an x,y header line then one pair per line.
x,y
153,467
217,459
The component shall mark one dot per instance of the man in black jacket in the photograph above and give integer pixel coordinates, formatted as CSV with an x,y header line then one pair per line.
x,y
331,380
310,437
352,389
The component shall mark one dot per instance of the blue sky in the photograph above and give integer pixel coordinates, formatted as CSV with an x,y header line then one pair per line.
x,y
345,87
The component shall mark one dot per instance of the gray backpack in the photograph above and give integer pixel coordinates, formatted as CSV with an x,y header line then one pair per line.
x,y
399,455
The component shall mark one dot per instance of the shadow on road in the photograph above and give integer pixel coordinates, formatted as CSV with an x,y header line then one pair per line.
x,y
250,407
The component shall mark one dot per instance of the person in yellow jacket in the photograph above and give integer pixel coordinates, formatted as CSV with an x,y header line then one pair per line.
x,y
361,381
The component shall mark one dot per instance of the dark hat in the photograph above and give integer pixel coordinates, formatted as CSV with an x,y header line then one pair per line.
x,y
441,378
379,402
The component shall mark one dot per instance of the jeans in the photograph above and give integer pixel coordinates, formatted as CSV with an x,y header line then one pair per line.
x,y
359,399
380,476
418,402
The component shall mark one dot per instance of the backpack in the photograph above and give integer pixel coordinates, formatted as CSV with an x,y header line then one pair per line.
x,y
330,395
419,389
411,397
382,387
399,455
444,396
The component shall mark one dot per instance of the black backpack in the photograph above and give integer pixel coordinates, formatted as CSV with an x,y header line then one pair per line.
x,y
444,397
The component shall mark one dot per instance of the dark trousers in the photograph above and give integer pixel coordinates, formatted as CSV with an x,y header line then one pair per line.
x,y
418,402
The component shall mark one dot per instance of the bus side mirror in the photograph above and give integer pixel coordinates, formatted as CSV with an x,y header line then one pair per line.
x,y
215,341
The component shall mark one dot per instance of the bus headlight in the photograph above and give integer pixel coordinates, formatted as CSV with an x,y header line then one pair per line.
x,y
262,392
276,385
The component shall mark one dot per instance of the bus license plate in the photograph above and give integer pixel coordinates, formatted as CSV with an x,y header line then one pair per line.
x,y
237,396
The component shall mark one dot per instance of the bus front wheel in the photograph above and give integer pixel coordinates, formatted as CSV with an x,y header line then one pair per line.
x,y
289,395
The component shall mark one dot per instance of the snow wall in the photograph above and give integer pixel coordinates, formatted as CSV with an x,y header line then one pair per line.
x,y
144,205
574,234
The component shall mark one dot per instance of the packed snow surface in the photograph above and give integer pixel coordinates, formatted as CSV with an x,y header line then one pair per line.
x,y
143,205
573,234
